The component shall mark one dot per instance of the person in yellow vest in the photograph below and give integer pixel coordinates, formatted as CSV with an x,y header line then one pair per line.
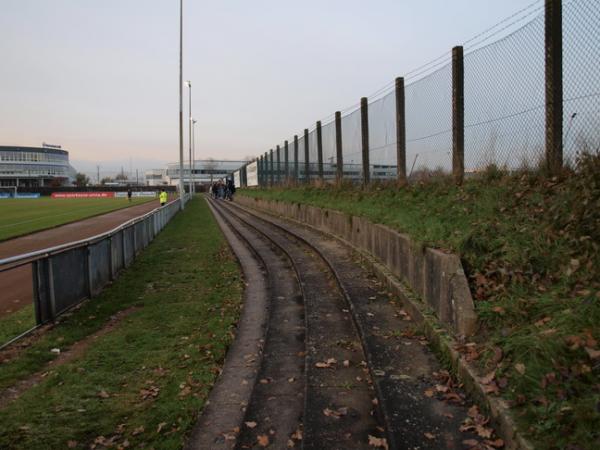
x,y
162,197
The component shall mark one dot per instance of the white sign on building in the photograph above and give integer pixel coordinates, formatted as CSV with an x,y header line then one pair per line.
x,y
237,181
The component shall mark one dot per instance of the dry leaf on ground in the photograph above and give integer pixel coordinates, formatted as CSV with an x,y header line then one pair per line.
x,y
378,442
263,440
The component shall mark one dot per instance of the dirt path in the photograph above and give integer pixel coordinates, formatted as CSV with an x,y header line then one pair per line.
x,y
16,289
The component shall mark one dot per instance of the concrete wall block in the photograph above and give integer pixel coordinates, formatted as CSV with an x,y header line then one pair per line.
x,y
437,286
416,268
438,278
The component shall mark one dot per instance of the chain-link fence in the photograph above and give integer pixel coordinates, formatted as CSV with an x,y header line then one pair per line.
x,y
492,107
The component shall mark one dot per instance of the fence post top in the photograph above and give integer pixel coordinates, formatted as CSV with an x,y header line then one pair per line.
x,y
338,114
364,101
318,123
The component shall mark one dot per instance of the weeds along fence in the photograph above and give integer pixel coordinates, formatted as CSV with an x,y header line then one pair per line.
x,y
523,95
65,275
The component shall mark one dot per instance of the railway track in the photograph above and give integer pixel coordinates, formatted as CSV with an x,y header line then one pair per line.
x,y
339,366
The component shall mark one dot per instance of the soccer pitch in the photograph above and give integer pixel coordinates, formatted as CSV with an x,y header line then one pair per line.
x,y
23,216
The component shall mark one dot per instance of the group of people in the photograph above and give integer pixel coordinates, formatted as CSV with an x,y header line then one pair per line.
x,y
223,190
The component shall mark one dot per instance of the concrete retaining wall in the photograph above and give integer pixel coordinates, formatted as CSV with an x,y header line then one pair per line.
x,y
437,277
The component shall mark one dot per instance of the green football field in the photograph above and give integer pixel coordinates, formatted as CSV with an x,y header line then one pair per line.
x,y
22,216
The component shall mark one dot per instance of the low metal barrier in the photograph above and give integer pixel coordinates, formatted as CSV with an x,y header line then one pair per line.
x,y
64,275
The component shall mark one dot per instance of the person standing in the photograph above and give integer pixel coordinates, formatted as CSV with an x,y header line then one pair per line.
x,y
163,197
129,193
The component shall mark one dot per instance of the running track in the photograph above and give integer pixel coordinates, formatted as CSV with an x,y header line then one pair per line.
x,y
16,290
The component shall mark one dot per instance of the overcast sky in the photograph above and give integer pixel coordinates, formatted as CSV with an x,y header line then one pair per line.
x,y
100,77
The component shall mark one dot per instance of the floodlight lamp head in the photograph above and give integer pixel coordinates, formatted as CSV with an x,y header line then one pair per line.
x,y
188,83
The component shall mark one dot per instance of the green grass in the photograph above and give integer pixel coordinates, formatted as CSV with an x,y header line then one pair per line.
x,y
23,216
531,248
186,290
16,323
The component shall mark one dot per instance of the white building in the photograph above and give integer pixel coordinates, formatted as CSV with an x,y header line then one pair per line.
x,y
35,166
205,172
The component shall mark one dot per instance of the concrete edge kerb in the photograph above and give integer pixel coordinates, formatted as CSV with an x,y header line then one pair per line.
x,y
233,387
443,342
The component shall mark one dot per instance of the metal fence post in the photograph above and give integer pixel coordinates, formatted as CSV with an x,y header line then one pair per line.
x,y
296,157
554,86
123,244
111,260
306,156
51,294
338,147
286,160
88,271
364,126
400,131
278,165
263,171
458,115
272,172
319,151
37,301
133,229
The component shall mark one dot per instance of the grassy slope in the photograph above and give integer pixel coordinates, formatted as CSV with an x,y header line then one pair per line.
x,y
22,216
187,290
16,323
531,249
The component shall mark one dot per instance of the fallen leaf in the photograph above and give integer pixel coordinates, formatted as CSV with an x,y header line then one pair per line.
x,y
483,432
297,435
470,443
138,430
326,364
428,393
520,367
498,443
378,442
498,355
593,354
336,414
542,322
263,440
160,427
72,444
250,424
488,378
491,388
473,411
103,394
428,435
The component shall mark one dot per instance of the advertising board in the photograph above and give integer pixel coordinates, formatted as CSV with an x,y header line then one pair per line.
x,y
236,179
136,194
83,195
252,174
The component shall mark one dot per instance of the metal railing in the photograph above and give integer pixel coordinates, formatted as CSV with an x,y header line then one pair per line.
x,y
64,275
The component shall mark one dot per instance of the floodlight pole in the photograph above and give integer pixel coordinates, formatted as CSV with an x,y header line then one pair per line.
x,y
189,85
181,187
194,150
